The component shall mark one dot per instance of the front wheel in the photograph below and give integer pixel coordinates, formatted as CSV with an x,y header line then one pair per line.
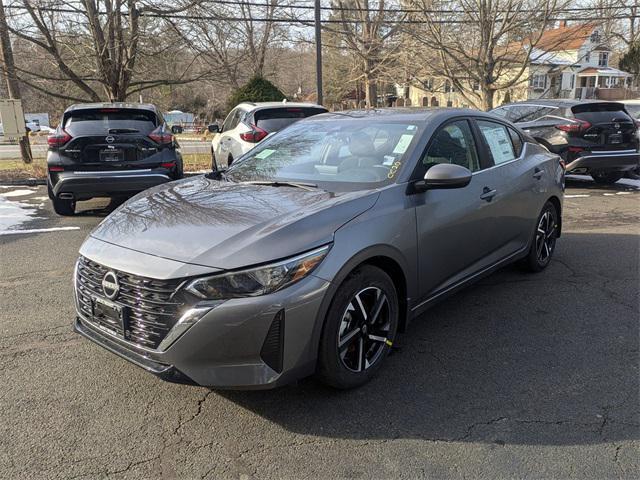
x,y
359,329
606,178
544,239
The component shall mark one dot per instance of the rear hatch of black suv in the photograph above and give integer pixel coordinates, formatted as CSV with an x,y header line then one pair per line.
x,y
601,126
109,138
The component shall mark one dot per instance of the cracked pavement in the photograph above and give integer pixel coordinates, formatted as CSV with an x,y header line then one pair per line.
x,y
519,376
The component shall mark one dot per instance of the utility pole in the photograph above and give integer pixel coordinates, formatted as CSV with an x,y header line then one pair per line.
x,y
13,86
318,26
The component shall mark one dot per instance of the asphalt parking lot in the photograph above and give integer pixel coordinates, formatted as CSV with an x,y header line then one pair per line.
x,y
519,376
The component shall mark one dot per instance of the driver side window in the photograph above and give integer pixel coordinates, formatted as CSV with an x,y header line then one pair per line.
x,y
230,122
453,143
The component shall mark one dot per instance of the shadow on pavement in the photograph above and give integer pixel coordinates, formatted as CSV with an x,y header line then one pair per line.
x,y
549,359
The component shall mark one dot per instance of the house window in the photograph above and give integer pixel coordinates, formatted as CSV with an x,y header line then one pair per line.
x,y
538,81
587,57
595,37
603,59
475,85
447,86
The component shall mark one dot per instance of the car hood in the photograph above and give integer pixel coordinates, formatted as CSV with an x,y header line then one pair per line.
x,y
229,225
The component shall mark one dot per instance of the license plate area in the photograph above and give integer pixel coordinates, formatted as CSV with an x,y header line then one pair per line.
x,y
615,138
108,316
111,155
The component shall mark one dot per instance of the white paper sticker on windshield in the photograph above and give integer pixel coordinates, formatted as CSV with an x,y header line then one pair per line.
x,y
267,152
403,143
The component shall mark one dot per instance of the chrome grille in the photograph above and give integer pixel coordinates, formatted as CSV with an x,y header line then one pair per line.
x,y
149,307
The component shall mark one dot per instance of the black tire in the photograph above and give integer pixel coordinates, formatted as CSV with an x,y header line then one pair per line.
x,y
50,191
541,250
606,178
229,161
341,366
64,207
214,163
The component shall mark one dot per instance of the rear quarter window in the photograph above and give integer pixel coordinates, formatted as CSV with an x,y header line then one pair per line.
x,y
275,119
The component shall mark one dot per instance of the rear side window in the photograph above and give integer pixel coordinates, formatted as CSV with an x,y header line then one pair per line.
x,y
498,139
516,141
598,107
275,119
454,144
529,113
89,121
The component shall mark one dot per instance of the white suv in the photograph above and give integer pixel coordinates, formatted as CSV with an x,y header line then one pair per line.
x,y
249,123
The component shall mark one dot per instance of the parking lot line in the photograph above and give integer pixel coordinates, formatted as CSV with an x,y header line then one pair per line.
x,y
38,230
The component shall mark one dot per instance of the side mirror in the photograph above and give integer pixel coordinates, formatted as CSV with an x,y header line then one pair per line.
x,y
444,175
213,128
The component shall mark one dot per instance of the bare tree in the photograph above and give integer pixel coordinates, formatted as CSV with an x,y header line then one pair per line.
x,y
366,29
99,49
482,46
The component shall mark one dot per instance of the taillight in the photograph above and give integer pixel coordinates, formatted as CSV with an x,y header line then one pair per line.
x,y
160,136
575,127
254,135
58,139
55,168
168,164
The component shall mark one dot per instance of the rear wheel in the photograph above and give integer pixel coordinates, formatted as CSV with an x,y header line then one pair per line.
x,y
606,178
64,207
359,329
544,239
229,160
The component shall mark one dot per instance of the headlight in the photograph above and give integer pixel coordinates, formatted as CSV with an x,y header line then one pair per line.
x,y
257,281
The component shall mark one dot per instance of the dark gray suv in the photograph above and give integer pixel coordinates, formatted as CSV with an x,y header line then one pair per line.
x,y
316,248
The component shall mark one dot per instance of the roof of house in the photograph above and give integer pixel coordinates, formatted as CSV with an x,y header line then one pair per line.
x,y
566,37
604,71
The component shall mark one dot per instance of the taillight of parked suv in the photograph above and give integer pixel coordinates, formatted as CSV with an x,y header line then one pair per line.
x,y
58,139
576,126
254,135
161,136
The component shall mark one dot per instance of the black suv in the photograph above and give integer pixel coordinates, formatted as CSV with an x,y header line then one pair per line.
x,y
108,150
593,137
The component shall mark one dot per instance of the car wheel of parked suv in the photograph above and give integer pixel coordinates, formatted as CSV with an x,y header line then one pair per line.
x,y
606,178
544,239
64,207
359,329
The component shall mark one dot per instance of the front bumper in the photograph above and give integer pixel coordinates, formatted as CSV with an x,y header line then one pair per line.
x,y
612,160
225,347
88,184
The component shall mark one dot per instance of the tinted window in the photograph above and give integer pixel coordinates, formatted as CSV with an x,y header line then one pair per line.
x,y
500,112
274,119
498,140
529,113
453,143
349,153
634,110
101,120
232,120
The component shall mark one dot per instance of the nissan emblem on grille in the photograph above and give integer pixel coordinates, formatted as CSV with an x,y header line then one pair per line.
x,y
110,139
110,285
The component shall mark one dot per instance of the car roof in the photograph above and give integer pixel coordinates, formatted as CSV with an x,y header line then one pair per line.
x,y
407,114
256,105
87,106
555,102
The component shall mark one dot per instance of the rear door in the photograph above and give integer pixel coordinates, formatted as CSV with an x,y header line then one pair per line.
x,y
607,126
104,138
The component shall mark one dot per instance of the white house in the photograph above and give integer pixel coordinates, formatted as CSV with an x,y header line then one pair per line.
x,y
573,62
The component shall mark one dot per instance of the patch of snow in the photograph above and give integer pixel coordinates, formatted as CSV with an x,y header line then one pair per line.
x,y
17,193
576,196
14,213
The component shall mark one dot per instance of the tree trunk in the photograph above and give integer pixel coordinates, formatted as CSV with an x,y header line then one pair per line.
x,y
13,86
487,98
370,91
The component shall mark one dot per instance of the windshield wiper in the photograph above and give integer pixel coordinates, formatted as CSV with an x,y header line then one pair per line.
x,y
278,183
123,130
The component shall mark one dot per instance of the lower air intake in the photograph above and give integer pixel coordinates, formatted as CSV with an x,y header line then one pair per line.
x,y
273,347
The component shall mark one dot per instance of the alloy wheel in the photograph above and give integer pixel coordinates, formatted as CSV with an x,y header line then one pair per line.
x,y
364,329
545,236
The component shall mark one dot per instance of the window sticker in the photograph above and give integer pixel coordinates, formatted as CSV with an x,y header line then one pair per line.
x,y
411,127
403,143
499,143
266,153
388,160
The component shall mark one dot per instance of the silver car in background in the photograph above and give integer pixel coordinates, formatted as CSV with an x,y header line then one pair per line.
x,y
315,249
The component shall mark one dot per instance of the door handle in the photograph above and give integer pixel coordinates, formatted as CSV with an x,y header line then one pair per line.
x,y
488,194
538,174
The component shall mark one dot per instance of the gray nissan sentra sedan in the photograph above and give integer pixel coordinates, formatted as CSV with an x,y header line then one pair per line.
x,y
316,248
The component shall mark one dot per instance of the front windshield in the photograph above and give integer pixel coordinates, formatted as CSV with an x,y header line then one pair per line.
x,y
346,153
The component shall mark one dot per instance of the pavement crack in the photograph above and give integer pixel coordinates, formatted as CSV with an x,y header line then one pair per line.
x,y
201,402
